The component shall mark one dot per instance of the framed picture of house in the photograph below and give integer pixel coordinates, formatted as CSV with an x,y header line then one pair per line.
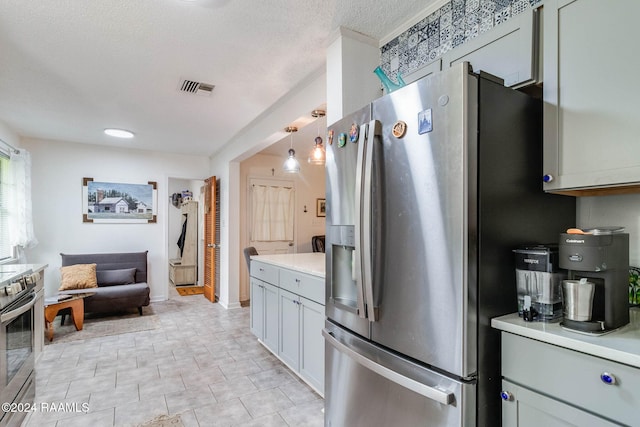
x,y
321,209
112,202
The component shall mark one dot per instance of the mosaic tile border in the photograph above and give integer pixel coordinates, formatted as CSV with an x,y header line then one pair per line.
x,y
455,23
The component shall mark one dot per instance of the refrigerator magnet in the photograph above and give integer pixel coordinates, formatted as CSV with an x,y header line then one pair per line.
x,y
399,129
354,132
342,139
424,121
330,137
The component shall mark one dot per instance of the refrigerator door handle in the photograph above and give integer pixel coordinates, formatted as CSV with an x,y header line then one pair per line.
x,y
432,393
374,131
358,250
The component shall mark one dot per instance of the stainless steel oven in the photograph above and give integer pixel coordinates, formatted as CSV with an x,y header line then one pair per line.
x,y
17,348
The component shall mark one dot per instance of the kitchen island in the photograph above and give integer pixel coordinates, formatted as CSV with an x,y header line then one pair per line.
x,y
287,311
560,377
311,263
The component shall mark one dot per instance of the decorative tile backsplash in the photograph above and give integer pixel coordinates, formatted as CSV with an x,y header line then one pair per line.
x,y
456,22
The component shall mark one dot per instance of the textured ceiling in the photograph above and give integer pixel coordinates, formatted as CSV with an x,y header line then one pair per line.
x,y
70,68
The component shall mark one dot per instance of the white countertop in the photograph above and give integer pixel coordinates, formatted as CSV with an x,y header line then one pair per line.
x,y
621,345
310,263
10,271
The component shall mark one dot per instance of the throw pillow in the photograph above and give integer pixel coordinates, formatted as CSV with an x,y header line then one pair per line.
x,y
123,276
78,276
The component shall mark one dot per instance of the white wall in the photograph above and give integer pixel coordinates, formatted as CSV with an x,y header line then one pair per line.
x,y
8,136
621,210
57,172
264,131
309,184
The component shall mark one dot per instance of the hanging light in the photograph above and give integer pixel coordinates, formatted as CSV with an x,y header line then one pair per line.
x,y
317,155
291,165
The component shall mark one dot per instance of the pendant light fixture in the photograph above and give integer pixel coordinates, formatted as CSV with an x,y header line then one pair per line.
x,y
291,165
317,155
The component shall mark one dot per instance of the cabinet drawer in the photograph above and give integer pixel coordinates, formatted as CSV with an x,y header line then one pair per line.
x,y
265,272
305,285
572,377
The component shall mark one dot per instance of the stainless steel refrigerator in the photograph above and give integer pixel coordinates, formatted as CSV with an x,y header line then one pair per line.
x,y
429,189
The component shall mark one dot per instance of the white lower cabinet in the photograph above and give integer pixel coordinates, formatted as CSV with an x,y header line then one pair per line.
x,y
312,343
289,348
264,312
526,408
257,307
547,385
288,319
301,342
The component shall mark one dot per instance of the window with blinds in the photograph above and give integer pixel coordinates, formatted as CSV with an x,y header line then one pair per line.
x,y
6,251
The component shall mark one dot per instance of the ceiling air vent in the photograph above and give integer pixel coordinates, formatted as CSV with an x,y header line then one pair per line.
x,y
196,88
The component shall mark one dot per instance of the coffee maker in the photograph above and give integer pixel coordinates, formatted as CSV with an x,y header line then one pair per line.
x,y
539,282
597,261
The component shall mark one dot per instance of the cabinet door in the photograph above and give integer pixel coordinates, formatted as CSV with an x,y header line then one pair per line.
x,y
572,377
257,308
591,120
526,408
289,349
508,51
427,70
270,338
312,343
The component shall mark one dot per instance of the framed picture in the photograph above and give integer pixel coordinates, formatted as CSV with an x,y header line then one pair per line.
x,y
321,208
112,202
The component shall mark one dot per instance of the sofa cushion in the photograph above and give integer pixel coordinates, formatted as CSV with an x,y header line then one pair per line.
x,y
123,276
79,276
114,298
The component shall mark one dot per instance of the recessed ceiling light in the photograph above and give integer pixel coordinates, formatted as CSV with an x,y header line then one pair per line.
x,y
118,133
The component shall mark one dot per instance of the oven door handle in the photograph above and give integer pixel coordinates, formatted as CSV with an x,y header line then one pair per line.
x,y
7,317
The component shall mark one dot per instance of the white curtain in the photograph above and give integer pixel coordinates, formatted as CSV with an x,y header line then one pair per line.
x,y
20,214
272,213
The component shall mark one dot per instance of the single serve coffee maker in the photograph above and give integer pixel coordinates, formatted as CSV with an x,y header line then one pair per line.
x,y
539,282
595,295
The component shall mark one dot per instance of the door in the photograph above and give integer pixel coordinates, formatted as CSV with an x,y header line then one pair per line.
x,y
271,219
271,331
388,390
257,308
312,343
509,51
344,297
591,122
211,238
419,220
526,408
289,347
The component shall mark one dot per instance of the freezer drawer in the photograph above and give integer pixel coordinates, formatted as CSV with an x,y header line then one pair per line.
x,y
366,385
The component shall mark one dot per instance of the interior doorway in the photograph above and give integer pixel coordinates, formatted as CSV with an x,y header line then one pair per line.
x,y
175,220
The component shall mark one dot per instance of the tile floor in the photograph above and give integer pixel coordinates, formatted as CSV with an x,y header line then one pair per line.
x,y
202,363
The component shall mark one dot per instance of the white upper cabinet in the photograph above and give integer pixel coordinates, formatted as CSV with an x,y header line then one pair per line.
x,y
508,51
591,93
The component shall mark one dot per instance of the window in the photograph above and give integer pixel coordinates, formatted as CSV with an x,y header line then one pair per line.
x,y
6,251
